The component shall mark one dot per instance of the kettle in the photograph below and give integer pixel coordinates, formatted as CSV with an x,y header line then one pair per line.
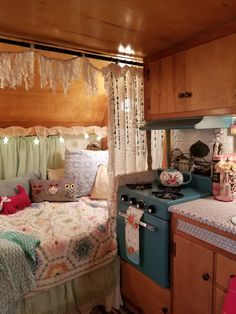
x,y
171,177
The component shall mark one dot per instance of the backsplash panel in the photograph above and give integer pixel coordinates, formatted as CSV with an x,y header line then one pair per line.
x,y
183,139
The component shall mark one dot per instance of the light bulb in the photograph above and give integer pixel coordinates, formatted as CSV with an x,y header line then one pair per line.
x,y
61,139
36,141
98,138
5,140
86,136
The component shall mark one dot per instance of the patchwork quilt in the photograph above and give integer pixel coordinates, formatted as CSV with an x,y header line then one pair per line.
x,y
74,238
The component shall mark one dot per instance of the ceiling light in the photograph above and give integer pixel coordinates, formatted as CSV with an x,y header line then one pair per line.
x,y
127,50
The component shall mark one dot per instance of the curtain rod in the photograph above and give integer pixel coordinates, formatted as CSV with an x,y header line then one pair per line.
x,y
69,52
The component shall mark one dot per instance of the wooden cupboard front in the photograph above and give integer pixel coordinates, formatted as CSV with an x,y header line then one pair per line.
x,y
193,276
198,81
141,293
200,271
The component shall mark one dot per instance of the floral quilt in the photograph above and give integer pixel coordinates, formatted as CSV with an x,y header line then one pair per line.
x,y
74,238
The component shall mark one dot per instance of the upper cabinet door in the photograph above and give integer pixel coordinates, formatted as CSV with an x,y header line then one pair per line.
x,y
159,88
211,75
194,82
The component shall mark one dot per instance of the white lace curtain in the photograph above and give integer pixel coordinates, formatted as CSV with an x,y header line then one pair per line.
x,y
127,143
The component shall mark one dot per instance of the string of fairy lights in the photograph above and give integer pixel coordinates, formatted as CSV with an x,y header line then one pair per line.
x,y
36,140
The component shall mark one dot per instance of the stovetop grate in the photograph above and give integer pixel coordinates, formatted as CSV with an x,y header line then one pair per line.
x,y
140,186
167,194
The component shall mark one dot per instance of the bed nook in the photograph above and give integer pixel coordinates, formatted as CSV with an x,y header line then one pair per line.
x,y
69,125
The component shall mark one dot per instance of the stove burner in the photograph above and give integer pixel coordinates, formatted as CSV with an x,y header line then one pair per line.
x,y
167,194
139,186
170,188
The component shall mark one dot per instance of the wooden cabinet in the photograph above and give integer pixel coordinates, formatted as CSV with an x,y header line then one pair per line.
x,y
225,269
205,72
142,293
200,271
192,278
219,301
159,83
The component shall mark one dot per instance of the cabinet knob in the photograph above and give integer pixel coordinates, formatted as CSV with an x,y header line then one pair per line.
x,y
205,277
188,94
164,310
181,95
232,276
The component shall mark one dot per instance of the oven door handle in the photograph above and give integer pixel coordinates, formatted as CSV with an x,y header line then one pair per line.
x,y
150,227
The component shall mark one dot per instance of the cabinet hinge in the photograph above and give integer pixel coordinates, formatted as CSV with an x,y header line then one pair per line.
x,y
173,248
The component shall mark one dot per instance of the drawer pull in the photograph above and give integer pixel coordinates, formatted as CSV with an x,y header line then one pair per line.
x,y
164,310
205,277
232,276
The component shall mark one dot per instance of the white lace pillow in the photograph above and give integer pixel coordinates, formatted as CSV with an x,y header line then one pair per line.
x,y
56,174
83,164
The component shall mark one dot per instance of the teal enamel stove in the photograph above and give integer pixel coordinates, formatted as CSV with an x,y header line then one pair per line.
x,y
154,231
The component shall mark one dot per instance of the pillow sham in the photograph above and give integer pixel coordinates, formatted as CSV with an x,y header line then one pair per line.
x,y
63,190
83,164
8,186
56,174
101,184
12,204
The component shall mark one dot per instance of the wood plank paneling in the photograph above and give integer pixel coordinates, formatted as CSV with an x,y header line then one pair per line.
x,y
43,107
149,27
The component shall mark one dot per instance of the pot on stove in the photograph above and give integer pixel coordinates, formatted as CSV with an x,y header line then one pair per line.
x,y
172,177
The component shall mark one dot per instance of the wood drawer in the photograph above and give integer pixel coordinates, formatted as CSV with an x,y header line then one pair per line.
x,y
225,268
142,292
219,300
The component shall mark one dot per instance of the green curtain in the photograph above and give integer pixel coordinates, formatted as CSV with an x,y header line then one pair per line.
x,y
20,155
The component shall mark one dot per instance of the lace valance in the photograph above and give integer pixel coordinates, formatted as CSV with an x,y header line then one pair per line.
x,y
18,69
101,132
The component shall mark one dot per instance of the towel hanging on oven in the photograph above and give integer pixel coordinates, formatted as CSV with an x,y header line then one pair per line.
x,y
133,217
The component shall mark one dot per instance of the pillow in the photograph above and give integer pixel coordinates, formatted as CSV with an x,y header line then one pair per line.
x,y
56,174
53,190
101,184
83,164
12,204
8,186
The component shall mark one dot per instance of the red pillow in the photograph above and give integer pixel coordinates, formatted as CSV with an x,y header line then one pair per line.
x,y
13,204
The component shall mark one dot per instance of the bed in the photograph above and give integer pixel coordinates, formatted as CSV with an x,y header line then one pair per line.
x,y
76,262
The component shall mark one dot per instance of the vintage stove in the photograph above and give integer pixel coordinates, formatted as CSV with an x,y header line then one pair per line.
x,y
155,200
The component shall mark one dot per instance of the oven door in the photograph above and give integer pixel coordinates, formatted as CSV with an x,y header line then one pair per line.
x,y
154,247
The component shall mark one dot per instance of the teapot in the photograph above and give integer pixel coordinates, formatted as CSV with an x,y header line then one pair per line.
x,y
172,177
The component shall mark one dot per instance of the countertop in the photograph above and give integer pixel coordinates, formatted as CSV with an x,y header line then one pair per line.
x,y
209,211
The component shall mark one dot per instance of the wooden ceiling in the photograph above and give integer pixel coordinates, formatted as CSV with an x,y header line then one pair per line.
x,y
150,27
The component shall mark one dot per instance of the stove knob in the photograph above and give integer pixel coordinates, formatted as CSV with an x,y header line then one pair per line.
x,y
151,209
132,201
124,197
140,204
